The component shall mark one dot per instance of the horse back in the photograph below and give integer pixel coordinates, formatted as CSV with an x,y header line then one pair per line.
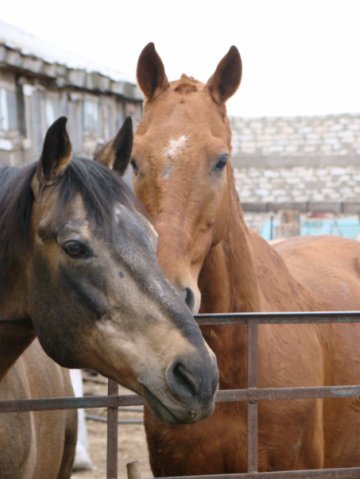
x,y
328,267
50,454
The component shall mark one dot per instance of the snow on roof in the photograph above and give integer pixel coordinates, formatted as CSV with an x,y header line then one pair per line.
x,y
29,45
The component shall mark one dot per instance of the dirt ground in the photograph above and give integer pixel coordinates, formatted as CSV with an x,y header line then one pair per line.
x,y
131,437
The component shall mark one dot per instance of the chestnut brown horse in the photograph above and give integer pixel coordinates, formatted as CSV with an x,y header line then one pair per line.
x,y
183,175
78,265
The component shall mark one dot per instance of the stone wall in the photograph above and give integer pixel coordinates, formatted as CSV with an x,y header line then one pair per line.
x,y
331,135
298,184
297,159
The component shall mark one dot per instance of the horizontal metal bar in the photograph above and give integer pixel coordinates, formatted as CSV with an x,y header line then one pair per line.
x,y
279,317
70,403
277,394
343,473
263,317
229,395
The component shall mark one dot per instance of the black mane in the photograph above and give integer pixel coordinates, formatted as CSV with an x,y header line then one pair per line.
x,y
98,186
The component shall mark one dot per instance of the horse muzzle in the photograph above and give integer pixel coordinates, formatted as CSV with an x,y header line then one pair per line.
x,y
188,394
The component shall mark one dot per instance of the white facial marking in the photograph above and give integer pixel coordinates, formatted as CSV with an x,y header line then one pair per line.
x,y
175,147
119,211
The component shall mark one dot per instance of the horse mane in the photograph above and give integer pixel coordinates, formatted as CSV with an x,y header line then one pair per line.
x,y
16,201
98,187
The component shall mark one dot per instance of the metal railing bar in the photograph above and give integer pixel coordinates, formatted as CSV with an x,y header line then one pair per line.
x,y
252,413
279,317
334,473
70,403
112,433
225,395
277,394
263,318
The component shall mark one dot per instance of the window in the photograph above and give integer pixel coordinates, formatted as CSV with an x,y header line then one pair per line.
x,y
52,109
91,116
8,110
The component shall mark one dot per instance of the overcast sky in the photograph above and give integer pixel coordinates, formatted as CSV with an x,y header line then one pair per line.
x,y
300,57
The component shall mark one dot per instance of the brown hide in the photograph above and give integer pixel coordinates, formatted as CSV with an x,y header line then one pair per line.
x,y
36,445
183,176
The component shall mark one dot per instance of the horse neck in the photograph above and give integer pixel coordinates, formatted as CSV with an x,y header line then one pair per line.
x,y
228,280
15,337
228,283
243,273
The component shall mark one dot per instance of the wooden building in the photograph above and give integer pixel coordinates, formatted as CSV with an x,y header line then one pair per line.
x,y
39,83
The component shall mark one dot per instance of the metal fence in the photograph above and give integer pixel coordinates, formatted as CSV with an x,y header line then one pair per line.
x,y
252,395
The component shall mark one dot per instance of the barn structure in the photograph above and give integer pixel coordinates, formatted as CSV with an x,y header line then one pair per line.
x,y
39,83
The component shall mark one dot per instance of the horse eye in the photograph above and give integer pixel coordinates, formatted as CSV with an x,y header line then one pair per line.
x,y
221,163
76,249
134,167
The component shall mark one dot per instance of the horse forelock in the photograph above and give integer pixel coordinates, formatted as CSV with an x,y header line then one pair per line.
x,y
186,85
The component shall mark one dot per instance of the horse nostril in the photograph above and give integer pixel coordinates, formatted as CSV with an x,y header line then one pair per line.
x,y
181,380
189,298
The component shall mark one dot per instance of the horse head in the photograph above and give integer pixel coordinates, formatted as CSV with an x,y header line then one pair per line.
x,y
95,292
181,164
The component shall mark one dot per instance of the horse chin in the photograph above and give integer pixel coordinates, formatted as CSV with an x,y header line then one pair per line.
x,y
174,414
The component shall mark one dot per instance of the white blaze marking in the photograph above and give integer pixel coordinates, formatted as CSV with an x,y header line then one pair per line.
x,y
175,147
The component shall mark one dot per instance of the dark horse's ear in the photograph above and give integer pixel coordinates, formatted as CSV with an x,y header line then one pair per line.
x,y
116,153
226,79
56,153
150,72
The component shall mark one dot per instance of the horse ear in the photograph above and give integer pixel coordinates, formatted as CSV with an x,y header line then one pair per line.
x,y
226,79
116,153
150,72
56,153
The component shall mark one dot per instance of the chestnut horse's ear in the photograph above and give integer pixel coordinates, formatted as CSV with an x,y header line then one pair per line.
x,y
226,79
56,153
150,72
116,153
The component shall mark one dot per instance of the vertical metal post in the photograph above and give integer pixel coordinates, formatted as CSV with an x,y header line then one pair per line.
x,y
112,434
252,405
